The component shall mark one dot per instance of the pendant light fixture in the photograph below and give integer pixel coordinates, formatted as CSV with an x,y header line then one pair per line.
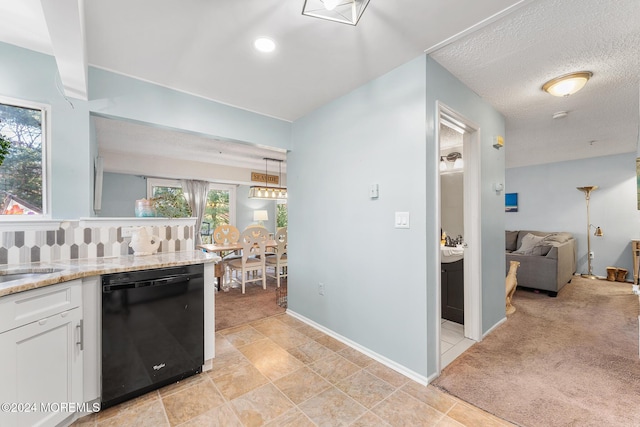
x,y
266,192
568,84
345,11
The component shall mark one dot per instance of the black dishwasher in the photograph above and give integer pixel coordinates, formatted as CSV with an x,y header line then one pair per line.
x,y
152,330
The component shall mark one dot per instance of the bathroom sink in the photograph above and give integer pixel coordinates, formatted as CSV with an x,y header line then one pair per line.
x,y
11,275
451,254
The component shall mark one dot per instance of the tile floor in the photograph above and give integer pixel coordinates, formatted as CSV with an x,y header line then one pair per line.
x,y
281,372
452,342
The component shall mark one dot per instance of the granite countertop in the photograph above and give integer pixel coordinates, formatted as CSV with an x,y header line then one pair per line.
x,y
66,270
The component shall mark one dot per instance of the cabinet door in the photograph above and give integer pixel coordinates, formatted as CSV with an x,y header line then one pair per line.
x,y
452,291
41,365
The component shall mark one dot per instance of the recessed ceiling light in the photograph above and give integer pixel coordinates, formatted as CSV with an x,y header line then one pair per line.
x,y
264,44
568,84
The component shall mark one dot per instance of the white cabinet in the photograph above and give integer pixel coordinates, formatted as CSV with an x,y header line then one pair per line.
x,y
41,355
91,315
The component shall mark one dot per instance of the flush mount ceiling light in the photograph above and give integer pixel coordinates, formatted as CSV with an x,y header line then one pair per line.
x,y
264,44
266,192
345,11
568,84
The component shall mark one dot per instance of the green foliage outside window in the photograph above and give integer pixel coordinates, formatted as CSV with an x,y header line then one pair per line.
x,y
21,153
217,211
5,144
169,202
281,215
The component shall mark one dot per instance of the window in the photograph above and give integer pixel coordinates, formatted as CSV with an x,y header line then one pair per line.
x,y
169,199
281,214
23,172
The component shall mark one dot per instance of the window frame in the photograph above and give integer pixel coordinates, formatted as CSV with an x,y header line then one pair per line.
x,y
45,146
176,183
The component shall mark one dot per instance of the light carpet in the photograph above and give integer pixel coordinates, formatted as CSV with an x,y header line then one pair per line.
x,y
565,361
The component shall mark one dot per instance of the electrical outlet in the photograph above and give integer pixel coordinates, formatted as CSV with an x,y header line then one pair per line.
x,y
591,255
321,288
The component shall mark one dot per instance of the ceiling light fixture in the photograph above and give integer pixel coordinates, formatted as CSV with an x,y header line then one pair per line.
x,y
568,84
264,44
456,158
443,164
330,4
345,11
266,192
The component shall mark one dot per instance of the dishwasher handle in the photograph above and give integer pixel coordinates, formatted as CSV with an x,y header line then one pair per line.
x,y
163,281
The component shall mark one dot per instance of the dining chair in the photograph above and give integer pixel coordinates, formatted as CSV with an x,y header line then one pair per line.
x,y
279,259
225,234
253,241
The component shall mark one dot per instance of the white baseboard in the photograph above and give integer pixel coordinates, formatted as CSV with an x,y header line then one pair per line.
x,y
494,327
421,379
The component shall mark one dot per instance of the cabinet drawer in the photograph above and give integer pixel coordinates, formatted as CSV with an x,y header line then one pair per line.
x,y
26,307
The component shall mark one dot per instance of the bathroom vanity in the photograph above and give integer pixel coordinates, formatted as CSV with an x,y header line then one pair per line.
x,y
452,284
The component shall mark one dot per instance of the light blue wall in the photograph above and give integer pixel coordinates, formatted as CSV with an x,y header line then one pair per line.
x,y
549,201
380,282
245,207
445,88
119,193
119,96
31,76
374,274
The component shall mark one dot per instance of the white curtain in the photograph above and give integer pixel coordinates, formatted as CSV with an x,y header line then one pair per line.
x,y
196,194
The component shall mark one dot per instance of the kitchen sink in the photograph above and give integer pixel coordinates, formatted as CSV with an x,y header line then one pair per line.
x,y
11,275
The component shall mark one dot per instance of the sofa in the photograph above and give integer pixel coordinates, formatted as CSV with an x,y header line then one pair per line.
x,y
547,259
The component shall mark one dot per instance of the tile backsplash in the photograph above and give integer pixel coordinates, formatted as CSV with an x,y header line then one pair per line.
x,y
74,240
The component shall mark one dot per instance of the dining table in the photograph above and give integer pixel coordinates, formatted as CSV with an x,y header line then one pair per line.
x,y
223,249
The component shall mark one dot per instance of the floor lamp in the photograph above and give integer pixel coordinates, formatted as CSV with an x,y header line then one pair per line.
x,y
587,194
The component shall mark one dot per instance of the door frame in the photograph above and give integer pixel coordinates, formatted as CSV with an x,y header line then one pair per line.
x,y
472,223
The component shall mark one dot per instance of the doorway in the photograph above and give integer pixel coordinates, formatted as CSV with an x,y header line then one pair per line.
x,y
459,290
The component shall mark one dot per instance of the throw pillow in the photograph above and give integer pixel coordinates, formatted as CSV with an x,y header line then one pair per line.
x,y
541,249
557,238
528,242
533,245
511,240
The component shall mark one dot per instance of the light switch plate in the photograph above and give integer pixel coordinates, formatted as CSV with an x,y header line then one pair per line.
x,y
402,220
374,191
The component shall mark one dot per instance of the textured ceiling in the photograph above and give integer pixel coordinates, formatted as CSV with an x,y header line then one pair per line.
x,y
507,62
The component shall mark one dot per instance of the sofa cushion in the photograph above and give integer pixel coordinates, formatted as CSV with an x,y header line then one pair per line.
x,y
533,245
511,238
555,239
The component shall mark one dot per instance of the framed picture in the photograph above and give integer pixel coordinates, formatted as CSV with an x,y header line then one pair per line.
x,y
511,202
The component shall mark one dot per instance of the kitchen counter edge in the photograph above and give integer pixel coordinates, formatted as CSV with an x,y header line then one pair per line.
x,y
87,267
